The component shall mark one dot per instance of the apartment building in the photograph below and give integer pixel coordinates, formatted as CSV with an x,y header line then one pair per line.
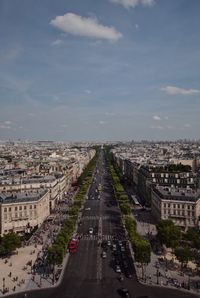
x,y
56,184
21,212
182,206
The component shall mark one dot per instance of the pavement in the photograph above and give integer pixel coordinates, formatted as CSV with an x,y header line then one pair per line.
x,y
17,274
164,269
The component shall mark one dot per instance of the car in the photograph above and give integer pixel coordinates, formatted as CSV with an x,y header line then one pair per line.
x,y
124,292
104,255
114,247
118,269
104,244
109,243
120,243
127,273
91,230
88,208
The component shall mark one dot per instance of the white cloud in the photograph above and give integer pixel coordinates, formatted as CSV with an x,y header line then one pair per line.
x,y
136,26
170,127
88,91
133,3
57,43
157,127
109,114
88,27
156,117
3,126
11,54
172,90
8,122
187,125
101,122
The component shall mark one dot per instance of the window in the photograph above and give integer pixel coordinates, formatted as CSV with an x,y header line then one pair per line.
x,y
24,207
16,208
5,209
10,209
20,207
34,206
30,207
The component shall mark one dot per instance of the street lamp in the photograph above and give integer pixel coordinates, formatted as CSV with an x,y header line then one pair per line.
x,y
3,285
188,281
157,275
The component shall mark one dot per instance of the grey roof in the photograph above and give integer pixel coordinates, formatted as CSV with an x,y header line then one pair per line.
x,y
178,194
7,198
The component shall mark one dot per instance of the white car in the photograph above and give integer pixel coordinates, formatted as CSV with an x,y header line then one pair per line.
x,y
104,255
91,231
109,243
87,209
118,269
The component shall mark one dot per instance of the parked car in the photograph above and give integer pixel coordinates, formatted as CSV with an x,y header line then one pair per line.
x,y
124,292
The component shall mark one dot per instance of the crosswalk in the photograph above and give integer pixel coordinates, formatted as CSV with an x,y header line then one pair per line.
x,y
97,237
96,217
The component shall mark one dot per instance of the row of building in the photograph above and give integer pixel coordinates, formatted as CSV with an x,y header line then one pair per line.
x,y
165,178
32,186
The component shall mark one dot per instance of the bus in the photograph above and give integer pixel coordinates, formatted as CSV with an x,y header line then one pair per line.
x,y
134,200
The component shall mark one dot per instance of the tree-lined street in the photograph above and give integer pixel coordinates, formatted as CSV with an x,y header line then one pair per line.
x,y
103,254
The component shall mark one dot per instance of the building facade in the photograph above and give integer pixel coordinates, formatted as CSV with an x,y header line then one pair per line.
x,y
21,212
182,206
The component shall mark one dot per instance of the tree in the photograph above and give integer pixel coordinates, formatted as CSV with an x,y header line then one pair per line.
x,y
193,236
9,243
168,233
183,255
130,224
125,208
142,252
196,258
55,254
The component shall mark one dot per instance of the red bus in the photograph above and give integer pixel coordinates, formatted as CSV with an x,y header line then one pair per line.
x,y
73,244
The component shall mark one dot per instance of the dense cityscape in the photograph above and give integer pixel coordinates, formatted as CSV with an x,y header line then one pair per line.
x,y
99,149
133,208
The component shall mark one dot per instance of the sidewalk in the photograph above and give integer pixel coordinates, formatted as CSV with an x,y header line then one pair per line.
x,y
156,273
17,272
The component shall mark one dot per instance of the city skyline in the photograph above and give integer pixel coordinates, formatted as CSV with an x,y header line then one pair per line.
x,y
102,70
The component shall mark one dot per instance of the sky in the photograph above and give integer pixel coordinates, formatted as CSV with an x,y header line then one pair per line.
x,y
97,70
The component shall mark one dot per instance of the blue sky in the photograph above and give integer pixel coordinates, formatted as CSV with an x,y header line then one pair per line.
x,y
99,70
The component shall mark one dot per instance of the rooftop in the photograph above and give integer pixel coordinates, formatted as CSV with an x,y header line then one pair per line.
x,y
180,194
8,197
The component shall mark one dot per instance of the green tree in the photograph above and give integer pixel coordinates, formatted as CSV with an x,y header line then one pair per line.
x,y
125,209
9,243
142,252
193,236
183,255
55,254
168,233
